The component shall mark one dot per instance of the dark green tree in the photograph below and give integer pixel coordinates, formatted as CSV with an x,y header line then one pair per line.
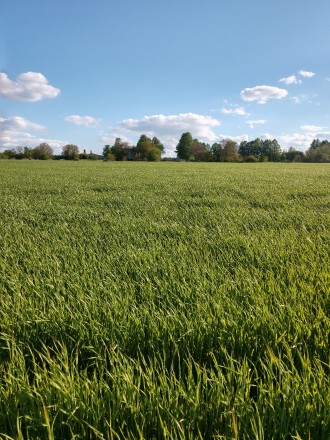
x,y
217,152
120,149
315,144
292,155
158,144
106,151
143,145
9,153
28,152
183,149
251,148
261,149
271,149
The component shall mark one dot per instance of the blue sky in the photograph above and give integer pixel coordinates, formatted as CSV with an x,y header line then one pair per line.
x,y
85,72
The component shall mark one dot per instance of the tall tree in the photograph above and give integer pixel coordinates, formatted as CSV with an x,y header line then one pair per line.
x,y
293,155
106,151
43,152
200,152
183,149
315,144
158,144
251,148
260,149
217,152
230,151
120,149
70,152
271,149
149,149
225,151
318,151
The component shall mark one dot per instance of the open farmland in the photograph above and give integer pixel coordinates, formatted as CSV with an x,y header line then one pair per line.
x,y
164,301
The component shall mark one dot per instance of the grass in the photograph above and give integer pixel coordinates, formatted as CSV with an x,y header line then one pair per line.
x,y
164,301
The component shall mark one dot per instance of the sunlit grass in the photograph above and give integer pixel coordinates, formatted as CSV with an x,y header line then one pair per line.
x,y
166,301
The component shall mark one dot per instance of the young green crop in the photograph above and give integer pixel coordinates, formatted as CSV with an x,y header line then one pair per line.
x,y
164,301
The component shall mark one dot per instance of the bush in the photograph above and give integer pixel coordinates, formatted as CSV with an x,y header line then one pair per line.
x,y
109,158
252,159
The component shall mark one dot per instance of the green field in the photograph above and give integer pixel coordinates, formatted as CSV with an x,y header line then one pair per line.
x,y
164,300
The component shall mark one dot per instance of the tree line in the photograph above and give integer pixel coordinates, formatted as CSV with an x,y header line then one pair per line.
x,y
43,152
257,150
187,149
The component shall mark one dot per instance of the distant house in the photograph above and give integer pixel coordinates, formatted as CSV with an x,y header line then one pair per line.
x,y
94,156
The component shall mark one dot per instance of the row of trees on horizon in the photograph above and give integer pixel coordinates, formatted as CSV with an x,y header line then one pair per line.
x,y
188,149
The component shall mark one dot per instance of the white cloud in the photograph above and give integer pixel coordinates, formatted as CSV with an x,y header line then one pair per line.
x,y
29,86
169,128
87,121
303,98
327,79
256,122
18,123
306,74
312,128
235,110
238,139
262,94
16,131
302,141
109,139
11,139
323,135
291,80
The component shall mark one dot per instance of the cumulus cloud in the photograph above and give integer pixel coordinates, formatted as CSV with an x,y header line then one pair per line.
x,y
291,80
303,140
238,138
87,121
11,139
29,86
306,74
171,127
168,128
252,124
300,141
262,94
109,139
235,110
16,131
18,123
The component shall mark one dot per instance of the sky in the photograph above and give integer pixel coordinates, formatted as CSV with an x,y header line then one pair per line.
x,y
86,72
